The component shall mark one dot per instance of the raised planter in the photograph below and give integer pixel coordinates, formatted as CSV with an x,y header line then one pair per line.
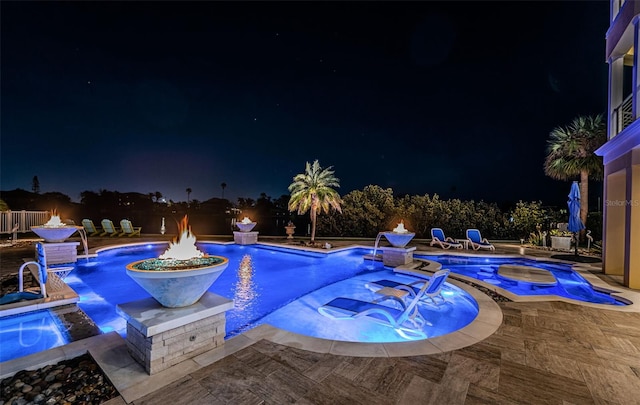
x,y
561,242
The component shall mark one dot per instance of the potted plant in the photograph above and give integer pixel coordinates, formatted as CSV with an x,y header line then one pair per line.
x,y
560,239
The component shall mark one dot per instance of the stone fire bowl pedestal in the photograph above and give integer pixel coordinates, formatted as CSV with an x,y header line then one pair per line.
x,y
245,238
397,239
245,227
160,337
54,234
177,288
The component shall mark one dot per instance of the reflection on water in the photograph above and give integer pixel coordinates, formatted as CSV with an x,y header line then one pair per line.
x,y
34,332
245,288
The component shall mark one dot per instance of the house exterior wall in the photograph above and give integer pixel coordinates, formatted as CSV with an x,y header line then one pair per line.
x,y
621,152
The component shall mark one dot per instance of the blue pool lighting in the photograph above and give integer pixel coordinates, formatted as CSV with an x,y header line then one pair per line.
x,y
268,285
33,332
570,284
284,287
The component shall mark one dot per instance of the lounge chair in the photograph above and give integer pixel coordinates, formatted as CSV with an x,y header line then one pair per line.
x,y
432,295
128,228
109,229
437,237
408,322
90,228
477,241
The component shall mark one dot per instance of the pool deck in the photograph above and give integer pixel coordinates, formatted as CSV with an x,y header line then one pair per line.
x,y
533,350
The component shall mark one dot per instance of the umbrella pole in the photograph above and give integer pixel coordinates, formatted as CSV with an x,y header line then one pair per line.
x,y
575,238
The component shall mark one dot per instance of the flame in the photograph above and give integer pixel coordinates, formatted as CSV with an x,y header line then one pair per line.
x,y
54,221
246,220
400,228
184,246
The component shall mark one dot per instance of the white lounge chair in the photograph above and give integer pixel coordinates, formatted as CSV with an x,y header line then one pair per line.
x,y
477,241
438,238
433,294
408,322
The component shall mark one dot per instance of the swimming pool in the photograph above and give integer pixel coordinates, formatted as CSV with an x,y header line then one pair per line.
x,y
33,332
458,311
277,285
570,284
262,280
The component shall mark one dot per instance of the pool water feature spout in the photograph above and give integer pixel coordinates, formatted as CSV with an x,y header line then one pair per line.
x,y
375,246
85,243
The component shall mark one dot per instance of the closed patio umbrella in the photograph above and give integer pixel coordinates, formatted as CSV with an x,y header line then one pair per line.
x,y
575,223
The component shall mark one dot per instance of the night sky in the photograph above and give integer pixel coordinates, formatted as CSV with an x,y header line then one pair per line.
x,y
451,98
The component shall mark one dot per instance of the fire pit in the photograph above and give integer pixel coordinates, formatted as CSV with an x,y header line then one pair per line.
x,y
245,236
55,231
182,274
245,225
399,236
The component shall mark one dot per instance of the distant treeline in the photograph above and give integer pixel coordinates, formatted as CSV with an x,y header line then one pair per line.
x,y
364,213
373,209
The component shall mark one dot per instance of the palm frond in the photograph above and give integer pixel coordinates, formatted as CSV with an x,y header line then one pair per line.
x,y
570,149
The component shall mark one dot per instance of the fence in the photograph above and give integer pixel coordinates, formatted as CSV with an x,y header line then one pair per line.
x,y
24,220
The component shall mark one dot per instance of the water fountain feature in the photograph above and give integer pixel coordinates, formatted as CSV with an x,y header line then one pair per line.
x,y
398,254
399,236
55,233
182,319
375,256
245,236
54,230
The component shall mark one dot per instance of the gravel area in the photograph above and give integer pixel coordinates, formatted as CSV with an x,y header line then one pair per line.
x,y
75,381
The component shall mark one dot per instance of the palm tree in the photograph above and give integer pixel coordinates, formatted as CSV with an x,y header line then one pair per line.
x,y
312,190
570,153
223,185
188,194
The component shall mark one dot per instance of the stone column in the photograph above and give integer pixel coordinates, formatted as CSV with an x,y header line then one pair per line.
x,y
159,337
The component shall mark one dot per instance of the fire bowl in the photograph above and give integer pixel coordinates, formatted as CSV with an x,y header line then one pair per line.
x,y
177,283
245,227
397,239
54,233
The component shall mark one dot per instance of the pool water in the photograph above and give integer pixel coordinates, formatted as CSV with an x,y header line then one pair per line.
x,y
33,332
281,287
258,279
570,284
458,311
267,284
